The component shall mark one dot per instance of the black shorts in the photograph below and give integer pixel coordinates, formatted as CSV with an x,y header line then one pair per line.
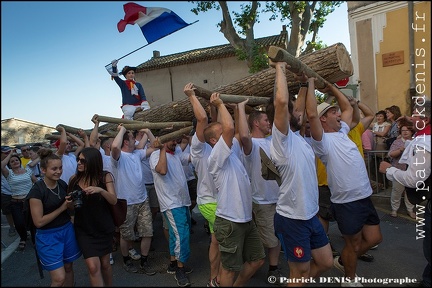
x,y
325,203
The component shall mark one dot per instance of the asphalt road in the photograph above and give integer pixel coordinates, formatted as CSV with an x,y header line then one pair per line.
x,y
399,257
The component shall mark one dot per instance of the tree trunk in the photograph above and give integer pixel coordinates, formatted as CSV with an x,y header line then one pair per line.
x,y
332,63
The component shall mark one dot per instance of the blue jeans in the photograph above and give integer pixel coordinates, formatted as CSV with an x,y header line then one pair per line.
x,y
427,246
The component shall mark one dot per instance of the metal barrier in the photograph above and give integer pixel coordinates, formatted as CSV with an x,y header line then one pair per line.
x,y
372,160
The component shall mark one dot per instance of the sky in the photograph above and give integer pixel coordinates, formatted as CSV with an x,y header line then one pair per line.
x,y
53,54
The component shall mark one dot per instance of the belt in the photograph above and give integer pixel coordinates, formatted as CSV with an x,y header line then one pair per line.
x,y
149,184
17,200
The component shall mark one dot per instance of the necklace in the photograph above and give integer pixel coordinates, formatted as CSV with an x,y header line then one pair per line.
x,y
58,190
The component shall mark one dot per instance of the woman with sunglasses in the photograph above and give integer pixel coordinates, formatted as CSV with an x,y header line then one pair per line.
x,y
94,227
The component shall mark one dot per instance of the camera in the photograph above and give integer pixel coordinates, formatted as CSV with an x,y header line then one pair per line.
x,y
76,196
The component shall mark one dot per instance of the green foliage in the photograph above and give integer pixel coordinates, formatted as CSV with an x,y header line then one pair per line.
x,y
259,58
307,16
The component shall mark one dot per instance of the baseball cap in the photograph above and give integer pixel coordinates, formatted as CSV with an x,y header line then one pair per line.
x,y
324,107
5,149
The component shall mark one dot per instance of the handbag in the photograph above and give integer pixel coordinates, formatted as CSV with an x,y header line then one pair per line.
x,y
118,212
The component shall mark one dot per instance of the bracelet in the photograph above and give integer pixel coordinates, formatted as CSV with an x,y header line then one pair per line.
x,y
304,85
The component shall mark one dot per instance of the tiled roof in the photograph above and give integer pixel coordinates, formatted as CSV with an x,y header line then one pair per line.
x,y
205,54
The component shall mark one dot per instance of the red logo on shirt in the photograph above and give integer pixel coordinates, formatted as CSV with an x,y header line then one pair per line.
x,y
298,252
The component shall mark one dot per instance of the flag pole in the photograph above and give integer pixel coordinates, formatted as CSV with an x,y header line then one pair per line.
x,y
151,43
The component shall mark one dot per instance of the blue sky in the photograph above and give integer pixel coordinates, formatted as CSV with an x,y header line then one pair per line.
x,y
53,54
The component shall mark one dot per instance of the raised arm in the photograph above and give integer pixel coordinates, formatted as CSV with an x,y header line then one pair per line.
x,y
356,112
368,114
198,110
224,118
4,162
243,128
94,135
281,115
344,104
117,142
162,165
77,140
300,103
312,113
63,141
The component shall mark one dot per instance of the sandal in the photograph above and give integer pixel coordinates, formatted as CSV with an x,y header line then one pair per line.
x,y
22,245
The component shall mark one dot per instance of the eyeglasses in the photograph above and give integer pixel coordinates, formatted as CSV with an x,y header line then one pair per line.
x,y
82,160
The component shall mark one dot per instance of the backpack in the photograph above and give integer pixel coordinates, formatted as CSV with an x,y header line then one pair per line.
x,y
268,168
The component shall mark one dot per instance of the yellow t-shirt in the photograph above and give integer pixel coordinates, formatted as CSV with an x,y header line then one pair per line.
x,y
321,172
24,161
355,136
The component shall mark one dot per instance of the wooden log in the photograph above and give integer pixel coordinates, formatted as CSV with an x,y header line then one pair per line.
x,y
332,63
277,54
74,130
161,125
108,119
229,98
55,137
174,135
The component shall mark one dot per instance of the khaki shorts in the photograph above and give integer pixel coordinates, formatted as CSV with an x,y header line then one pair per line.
x,y
238,243
264,220
141,216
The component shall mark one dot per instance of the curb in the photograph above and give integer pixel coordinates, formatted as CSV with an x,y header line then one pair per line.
x,y
9,250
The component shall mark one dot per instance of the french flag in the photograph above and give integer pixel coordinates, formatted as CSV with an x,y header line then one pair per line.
x,y
155,22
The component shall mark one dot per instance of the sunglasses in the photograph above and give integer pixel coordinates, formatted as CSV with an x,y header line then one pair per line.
x,y
82,160
24,150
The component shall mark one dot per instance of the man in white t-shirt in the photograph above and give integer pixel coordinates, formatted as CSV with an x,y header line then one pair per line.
x,y
130,185
206,189
174,201
264,192
239,242
347,178
297,226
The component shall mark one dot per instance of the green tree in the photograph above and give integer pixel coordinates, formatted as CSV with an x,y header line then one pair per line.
x,y
303,17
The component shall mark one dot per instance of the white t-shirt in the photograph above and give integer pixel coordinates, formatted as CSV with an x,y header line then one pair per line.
x,y
171,188
234,196
69,166
127,171
295,159
106,161
188,168
263,191
206,189
346,170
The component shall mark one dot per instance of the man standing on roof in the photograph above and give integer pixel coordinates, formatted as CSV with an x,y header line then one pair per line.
x,y
133,96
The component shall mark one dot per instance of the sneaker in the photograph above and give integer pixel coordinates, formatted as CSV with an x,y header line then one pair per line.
x,y
134,254
172,270
340,266
366,257
212,283
374,247
130,267
12,232
145,269
111,259
412,214
273,277
182,279
393,213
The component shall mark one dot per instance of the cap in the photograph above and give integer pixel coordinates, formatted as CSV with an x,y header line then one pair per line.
x,y
5,149
324,107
